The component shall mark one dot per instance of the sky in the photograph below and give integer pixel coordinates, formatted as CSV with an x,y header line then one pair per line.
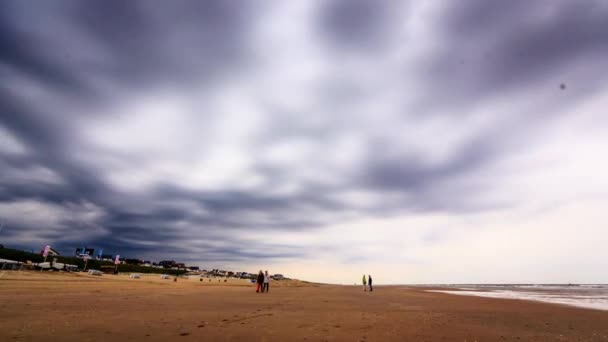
x,y
416,141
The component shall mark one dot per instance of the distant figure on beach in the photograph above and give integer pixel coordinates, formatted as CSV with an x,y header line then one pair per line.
x,y
266,282
364,283
260,281
369,281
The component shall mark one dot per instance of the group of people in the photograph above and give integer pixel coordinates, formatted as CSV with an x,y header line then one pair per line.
x,y
263,281
367,282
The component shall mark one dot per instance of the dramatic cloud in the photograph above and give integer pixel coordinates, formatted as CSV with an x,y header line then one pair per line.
x,y
418,141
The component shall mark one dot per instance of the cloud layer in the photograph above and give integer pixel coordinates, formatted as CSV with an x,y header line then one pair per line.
x,y
362,136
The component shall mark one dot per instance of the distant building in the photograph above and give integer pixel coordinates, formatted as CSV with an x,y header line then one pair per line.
x,y
241,275
107,257
10,265
167,263
82,252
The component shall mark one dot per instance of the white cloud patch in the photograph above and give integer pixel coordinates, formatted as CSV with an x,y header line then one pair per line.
x,y
10,144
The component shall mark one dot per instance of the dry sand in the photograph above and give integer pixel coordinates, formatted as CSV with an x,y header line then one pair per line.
x,y
41,306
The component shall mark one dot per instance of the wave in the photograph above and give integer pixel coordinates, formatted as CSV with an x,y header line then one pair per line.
x,y
586,297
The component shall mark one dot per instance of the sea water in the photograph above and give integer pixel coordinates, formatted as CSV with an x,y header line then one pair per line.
x,y
585,296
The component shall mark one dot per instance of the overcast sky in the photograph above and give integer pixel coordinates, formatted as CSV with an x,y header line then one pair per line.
x,y
419,142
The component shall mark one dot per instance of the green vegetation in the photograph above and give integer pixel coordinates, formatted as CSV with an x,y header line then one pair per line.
x,y
126,268
22,256
17,255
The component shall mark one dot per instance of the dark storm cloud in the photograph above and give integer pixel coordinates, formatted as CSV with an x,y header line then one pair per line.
x,y
20,49
412,174
127,43
158,41
486,47
96,53
70,45
360,24
47,143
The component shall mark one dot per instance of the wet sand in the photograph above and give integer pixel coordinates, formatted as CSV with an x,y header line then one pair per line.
x,y
37,306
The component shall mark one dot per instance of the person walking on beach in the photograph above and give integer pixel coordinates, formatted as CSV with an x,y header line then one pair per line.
x,y
266,282
260,281
369,281
364,283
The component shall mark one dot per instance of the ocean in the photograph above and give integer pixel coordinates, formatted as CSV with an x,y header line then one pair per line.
x,y
591,296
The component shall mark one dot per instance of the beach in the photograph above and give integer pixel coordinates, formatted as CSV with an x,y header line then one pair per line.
x,y
37,306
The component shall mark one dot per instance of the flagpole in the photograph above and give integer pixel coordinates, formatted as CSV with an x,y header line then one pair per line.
x,y
116,262
45,252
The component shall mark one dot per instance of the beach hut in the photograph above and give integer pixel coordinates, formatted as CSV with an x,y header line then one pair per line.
x,y
43,265
10,265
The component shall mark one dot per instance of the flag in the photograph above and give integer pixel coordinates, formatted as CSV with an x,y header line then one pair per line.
x,y
47,248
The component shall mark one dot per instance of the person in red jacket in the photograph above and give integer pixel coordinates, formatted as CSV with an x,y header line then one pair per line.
x,y
260,281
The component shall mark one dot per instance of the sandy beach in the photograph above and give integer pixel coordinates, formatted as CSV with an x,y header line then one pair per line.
x,y
38,306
